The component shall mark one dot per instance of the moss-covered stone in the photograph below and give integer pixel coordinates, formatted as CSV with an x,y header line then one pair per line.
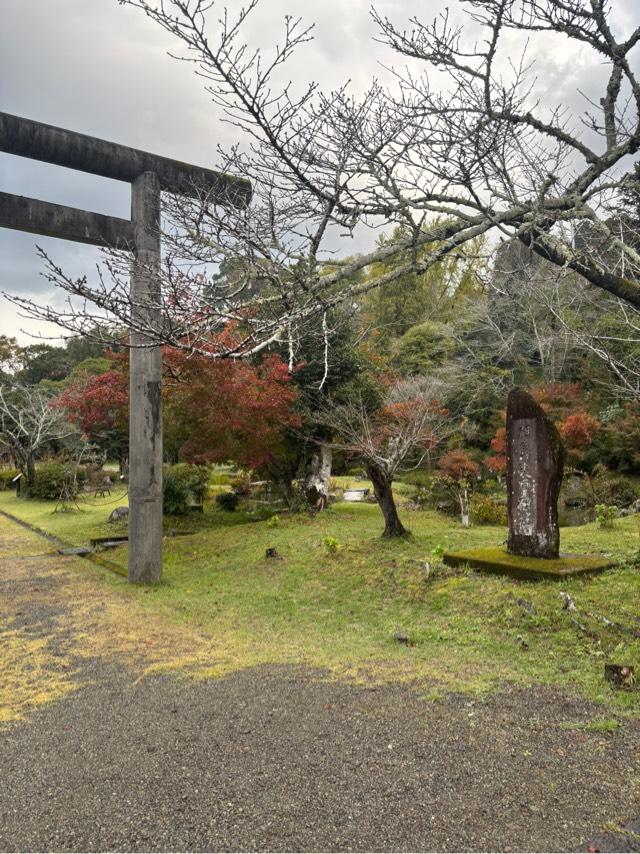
x,y
498,561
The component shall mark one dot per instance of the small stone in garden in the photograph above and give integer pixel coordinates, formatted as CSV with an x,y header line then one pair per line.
x,y
272,554
119,514
402,638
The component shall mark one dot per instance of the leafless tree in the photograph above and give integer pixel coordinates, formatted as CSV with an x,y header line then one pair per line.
x,y
449,163
28,423
395,436
551,316
613,336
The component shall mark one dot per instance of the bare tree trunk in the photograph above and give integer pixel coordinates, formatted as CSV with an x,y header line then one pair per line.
x,y
30,472
393,527
318,480
463,496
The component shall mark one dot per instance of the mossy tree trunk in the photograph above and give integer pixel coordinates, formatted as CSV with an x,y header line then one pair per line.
x,y
383,492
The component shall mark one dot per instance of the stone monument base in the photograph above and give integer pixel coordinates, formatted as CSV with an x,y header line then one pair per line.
x,y
499,562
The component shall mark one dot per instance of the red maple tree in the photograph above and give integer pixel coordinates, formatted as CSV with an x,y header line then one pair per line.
x,y
215,409
97,403
229,409
497,460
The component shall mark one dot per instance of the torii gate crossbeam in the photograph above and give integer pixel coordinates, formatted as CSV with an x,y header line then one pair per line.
x,y
148,175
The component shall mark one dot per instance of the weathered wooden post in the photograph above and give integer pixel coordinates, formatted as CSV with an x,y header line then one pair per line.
x,y
145,386
148,175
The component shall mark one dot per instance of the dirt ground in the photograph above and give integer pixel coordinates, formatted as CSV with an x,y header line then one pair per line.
x,y
102,749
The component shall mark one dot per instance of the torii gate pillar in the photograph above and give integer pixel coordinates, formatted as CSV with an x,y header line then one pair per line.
x,y
145,389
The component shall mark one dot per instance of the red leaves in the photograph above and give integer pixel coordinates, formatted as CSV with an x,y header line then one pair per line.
x,y
414,417
579,430
229,409
97,403
558,399
458,465
497,461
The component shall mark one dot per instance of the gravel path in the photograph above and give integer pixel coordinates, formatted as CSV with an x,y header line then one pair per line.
x,y
280,758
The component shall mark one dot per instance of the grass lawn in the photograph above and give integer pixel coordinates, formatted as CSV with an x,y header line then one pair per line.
x,y
341,609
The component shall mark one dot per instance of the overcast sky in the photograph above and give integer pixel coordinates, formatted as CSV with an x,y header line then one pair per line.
x,y
102,69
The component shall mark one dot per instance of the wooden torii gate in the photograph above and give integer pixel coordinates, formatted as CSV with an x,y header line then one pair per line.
x,y
148,175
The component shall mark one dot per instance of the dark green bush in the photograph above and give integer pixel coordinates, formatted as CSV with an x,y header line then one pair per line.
x,y
227,501
488,510
53,477
610,489
194,478
176,497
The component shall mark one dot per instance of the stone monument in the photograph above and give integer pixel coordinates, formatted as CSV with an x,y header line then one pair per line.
x,y
535,459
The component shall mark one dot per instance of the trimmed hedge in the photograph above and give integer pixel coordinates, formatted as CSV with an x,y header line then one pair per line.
x,y
194,478
51,477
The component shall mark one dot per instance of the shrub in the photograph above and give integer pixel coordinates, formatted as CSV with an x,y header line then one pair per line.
x,y
6,476
273,522
227,501
184,485
176,497
611,488
194,478
487,510
605,514
52,477
438,497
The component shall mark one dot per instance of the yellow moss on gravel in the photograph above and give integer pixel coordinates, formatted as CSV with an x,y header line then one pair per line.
x,y
29,674
78,617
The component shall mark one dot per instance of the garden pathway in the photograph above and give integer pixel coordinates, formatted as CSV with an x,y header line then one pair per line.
x,y
98,752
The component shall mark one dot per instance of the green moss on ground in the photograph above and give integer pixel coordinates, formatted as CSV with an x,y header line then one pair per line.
x,y
499,561
467,631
